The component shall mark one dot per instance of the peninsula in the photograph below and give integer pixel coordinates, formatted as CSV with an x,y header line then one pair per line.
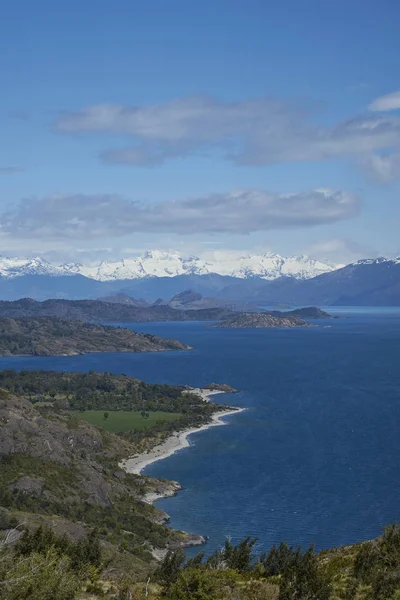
x,y
52,336
64,446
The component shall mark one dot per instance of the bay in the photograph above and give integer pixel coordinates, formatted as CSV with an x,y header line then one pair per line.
x,y
315,458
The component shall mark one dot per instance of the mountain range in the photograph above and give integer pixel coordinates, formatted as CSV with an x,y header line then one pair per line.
x,y
155,263
268,279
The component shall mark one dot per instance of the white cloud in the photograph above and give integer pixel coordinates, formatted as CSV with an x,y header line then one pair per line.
x,y
86,217
253,132
388,102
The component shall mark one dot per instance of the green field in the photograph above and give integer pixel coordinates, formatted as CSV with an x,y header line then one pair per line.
x,y
122,420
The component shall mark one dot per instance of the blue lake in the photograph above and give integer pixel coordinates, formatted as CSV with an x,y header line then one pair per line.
x,y
314,459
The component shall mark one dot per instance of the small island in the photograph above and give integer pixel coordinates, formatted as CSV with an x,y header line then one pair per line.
x,y
52,336
261,321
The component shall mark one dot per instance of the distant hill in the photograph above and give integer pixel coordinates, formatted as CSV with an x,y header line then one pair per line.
x,y
308,312
374,282
51,336
191,300
365,283
96,310
125,299
260,321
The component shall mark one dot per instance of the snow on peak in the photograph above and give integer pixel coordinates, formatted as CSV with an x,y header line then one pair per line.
x,y
156,263
375,261
15,267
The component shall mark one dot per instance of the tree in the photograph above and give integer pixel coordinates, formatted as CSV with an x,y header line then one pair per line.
x,y
39,577
201,584
305,580
279,559
170,567
233,557
106,415
377,564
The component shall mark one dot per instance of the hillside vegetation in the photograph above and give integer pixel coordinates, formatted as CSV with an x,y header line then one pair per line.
x,y
74,525
57,469
50,336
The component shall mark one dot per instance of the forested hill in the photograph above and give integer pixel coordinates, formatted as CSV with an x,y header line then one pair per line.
x,y
96,310
51,336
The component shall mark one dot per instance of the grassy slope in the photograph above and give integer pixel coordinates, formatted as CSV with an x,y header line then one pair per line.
x,y
122,420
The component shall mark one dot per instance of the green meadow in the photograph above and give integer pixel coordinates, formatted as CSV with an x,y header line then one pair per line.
x,y
122,420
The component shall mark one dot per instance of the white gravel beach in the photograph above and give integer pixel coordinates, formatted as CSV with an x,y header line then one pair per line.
x,y
175,442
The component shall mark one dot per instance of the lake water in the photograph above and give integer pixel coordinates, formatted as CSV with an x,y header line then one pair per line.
x,y
315,458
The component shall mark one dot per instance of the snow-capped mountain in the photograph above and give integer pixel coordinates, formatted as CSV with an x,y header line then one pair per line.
x,y
16,267
150,264
156,263
377,261
164,264
267,266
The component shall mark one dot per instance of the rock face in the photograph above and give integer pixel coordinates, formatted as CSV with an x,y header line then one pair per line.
x,y
260,320
25,433
50,336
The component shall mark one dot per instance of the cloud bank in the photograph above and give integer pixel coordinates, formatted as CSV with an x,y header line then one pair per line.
x,y
261,131
85,217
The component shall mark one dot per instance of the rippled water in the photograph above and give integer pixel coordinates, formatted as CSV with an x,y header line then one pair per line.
x,y
315,458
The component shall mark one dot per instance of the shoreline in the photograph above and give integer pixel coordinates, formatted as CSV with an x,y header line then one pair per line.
x,y
173,444
204,393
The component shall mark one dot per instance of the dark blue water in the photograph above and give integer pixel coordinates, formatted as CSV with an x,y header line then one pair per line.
x,y
315,458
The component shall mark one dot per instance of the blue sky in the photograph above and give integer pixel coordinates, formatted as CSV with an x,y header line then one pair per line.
x,y
242,125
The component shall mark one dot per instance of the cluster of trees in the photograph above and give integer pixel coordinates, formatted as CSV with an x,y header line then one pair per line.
x,y
97,391
284,573
44,566
369,571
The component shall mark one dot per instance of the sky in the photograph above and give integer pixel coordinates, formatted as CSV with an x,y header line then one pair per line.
x,y
243,126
